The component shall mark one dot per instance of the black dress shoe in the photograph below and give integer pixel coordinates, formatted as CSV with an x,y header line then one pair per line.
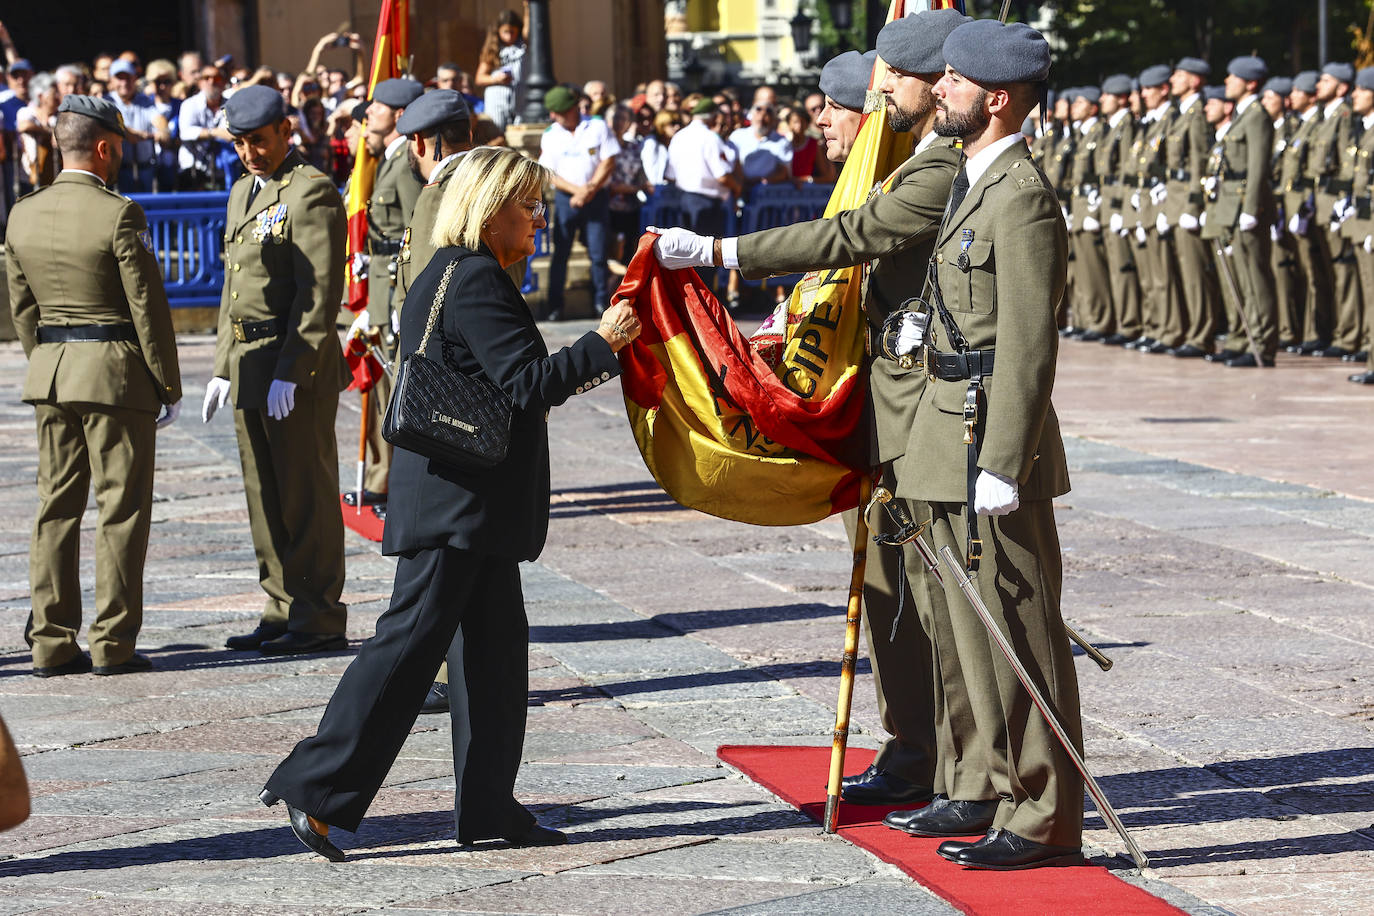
x,y
1359,378
944,817
300,825
80,664
1067,331
1135,342
1008,852
1156,347
1221,356
132,665
1248,361
380,511
1309,347
1187,351
1335,353
879,787
1091,336
1115,340
369,498
539,835
255,639
437,698
304,643
950,849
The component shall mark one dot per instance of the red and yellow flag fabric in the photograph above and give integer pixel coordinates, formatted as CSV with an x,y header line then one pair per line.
x,y
390,58
768,441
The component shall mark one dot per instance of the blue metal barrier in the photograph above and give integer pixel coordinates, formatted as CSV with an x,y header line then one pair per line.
x,y
541,249
772,205
187,231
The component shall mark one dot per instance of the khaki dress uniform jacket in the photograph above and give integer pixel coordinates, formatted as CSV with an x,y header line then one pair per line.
x,y
78,254
1347,331
1001,262
1324,167
1361,226
1187,142
894,231
1160,290
1289,285
1297,190
284,274
1113,155
1093,304
1059,174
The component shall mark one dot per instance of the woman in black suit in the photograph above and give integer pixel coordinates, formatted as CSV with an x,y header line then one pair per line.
x,y
460,535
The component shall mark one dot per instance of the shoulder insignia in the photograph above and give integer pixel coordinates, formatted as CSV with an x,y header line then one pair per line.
x,y
146,238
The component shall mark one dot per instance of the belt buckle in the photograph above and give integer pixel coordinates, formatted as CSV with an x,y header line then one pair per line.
x,y
970,412
975,551
239,335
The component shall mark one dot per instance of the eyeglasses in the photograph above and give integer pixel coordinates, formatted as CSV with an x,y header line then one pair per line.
x,y
537,208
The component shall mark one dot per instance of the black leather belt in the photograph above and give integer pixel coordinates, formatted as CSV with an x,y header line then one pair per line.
x,y
384,246
1302,184
1337,186
1110,180
1180,175
53,333
1233,174
248,331
954,367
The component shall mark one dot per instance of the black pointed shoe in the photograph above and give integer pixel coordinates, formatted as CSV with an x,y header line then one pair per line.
x,y
879,787
1248,361
1187,351
1008,852
304,643
79,664
539,835
131,665
944,817
1359,378
317,843
437,699
1221,356
254,640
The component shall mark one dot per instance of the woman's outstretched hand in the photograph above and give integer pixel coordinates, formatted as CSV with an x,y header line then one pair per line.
x,y
619,325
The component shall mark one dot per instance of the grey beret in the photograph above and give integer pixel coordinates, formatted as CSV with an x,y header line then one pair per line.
x,y
1306,81
1343,72
1157,75
252,107
915,44
101,110
1281,85
1365,78
1195,65
987,51
1117,84
1091,93
431,110
845,78
1250,69
397,93
1212,93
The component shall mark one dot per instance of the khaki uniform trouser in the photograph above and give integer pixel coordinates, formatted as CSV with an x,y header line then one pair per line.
x,y
1314,257
115,448
1346,332
1290,287
1250,262
1093,308
1199,291
1125,283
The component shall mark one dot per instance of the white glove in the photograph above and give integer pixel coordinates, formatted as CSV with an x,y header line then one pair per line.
x,y
1209,184
994,494
1140,234
360,325
1094,199
1188,221
1274,233
909,337
1115,223
169,415
1202,218
281,399
1338,210
1246,223
679,248
1090,224
1295,225
216,396
1227,251
1369,244
1135,200
396,321
1068,218
1162,225
1158,193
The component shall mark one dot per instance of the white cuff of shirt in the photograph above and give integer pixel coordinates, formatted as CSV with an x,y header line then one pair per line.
x,y
729,253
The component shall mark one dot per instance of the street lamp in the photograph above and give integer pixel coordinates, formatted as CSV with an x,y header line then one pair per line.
x,y
801,31
538,62
842,14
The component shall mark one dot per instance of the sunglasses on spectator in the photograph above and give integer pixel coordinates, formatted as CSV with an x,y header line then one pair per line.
x,y
767,108
163,81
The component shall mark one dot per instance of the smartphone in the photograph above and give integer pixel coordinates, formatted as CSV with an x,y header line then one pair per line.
x,y
341,41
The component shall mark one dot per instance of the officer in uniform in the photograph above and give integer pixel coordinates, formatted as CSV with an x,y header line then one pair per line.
x,y
1289,288
1332,136
1358,226
1298,203
1187,144
844,83
1060,176
1113,155
394,192
278,358
1347,328
990,463
91,313
1159,276
894,232
1093,307
1242,210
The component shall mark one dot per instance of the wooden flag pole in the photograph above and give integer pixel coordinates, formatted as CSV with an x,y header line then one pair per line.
x,y
848,661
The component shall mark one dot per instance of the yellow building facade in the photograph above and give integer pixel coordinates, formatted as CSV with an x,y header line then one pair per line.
x,y
717,42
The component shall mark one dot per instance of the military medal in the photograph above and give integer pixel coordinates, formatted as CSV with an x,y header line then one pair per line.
x,y
271,225
965,240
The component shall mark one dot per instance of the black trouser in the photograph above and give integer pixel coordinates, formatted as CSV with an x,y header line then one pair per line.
x,y
705,215
444,600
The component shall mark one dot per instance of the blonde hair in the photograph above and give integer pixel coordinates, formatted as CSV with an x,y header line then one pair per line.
x,y
487,178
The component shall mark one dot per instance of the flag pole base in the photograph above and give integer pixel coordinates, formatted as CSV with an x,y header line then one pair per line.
x,y
832,814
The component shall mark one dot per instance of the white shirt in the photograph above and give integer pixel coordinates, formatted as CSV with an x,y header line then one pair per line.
x,y
760,156
85,172
1368,120
654,156
977,165
698,159
573,155
195,120
1310,113
924,143
1117,118
1243,104
1333,106
1087,125
1185,103
394,145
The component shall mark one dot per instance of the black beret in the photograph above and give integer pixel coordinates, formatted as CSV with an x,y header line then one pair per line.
x,y
915,44
987,51
1117,84
845,78
1365,78
1343,72
1248,68
1213,93
397,93
252,107
1278,84
101,110
1194,65
1306,81
1157,75
431,110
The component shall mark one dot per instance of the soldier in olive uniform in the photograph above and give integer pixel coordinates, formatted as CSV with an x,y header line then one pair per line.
x,y
1358,228
1298,203
1324,166
91,313
1289,286
1242,210
1187,142
1059,174
278,358
1000,257
394,192
1161,294
894,232
1093,307
1113,156
1348,329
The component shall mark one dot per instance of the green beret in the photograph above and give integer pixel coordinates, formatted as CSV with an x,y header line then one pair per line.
x,y
101,110
705,106
559,99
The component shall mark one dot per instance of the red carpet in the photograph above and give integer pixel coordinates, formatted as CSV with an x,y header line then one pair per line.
x,y
365,523
798,775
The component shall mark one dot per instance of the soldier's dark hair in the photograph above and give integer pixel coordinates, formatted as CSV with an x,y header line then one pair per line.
x,y
456,133
77,134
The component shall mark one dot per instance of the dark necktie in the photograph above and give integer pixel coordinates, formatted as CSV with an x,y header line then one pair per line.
x,y
959,191
257,186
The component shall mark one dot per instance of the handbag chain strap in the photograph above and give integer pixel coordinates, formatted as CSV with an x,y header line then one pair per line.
x,y
438,304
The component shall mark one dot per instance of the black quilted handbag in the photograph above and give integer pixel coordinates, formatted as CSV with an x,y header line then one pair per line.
x,y
436,411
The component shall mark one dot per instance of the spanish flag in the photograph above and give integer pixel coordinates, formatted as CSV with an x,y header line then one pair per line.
x,y
768,431
390,58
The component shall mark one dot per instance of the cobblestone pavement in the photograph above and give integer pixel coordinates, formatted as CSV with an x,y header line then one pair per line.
x,y
1217,545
